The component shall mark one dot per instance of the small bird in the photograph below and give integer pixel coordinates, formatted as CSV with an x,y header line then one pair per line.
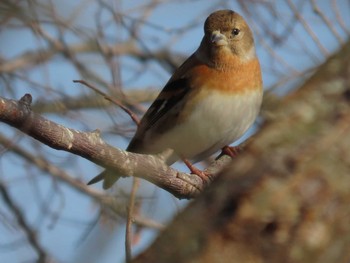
x,y
210,101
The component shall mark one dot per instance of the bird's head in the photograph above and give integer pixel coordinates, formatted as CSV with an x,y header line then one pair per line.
x,y
227,34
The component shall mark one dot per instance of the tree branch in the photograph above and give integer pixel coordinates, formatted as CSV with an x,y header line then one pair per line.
x,y
91,146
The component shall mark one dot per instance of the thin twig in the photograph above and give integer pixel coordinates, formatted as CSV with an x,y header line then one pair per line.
x,y
326,21
339,17
30,233
307,28
130,219
60,175
116,102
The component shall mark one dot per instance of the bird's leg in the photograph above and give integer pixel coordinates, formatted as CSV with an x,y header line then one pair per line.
x,y
194,170
231,151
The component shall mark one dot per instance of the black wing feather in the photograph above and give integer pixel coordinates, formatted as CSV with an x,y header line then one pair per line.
x,y
178,88
164,104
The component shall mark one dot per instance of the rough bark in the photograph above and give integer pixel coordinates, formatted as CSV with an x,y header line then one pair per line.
x,y
92,147
286,197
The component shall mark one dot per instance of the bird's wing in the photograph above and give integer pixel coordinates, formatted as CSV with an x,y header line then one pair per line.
x,y
165,110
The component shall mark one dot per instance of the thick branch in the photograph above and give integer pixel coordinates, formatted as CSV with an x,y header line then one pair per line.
x,y
286,197
90,146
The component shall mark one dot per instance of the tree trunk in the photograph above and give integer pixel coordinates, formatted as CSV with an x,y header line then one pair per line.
x,y
286,197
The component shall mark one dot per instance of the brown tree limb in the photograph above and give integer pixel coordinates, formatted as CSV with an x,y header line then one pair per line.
x,y
286,197
91,146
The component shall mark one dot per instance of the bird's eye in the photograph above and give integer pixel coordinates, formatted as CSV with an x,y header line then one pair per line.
x,y
235,31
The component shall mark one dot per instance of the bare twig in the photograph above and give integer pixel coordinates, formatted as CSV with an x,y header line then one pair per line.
x,y
130,219
307,27
326,21
109,98
30,233
62,176
29,59
339,17
91,101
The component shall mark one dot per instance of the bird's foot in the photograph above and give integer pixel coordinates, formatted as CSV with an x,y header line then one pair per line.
x,y
231,151
194,170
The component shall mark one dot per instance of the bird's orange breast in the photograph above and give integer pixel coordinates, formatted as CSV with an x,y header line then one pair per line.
x,y
235,78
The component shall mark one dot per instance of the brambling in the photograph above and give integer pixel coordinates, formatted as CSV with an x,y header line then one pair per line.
x,y
210,101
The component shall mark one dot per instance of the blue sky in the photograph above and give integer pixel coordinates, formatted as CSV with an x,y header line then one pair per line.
x,y
63,232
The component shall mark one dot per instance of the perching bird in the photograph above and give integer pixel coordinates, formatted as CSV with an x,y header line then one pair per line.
x,y
210,101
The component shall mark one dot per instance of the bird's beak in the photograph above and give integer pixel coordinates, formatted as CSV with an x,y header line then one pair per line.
x,y
218,39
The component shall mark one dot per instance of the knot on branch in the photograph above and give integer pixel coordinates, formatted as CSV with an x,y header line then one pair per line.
x,y
26,100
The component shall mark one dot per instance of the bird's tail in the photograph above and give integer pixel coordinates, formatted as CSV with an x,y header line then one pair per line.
x,y
108,177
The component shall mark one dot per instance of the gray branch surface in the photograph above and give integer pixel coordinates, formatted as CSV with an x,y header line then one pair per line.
x,y
91,146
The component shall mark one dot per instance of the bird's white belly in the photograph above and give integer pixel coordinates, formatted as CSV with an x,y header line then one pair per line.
x,y
216,121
